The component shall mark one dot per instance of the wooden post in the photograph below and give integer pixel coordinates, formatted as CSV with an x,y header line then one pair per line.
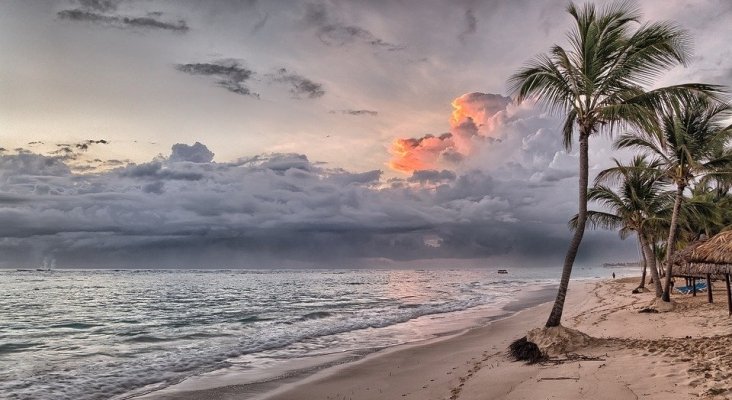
x,y
709,288
693,286
729,294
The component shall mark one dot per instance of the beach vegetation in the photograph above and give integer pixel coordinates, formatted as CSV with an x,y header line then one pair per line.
x,y
638,206
599,82
690,146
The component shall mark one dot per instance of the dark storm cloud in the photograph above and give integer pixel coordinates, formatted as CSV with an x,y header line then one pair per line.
x,y
156,170
85,145
230,74
72,155
149,22
99,5
87,16
363,178
82,168
154,187
197,153
118,21
554,175
452,156
268,210
233,76
432,176
113,162
370,113
471,25
29,164
269,207
11,199
67,151
299,85
332,32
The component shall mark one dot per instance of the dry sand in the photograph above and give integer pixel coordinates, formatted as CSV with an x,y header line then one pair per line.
x,y
683,354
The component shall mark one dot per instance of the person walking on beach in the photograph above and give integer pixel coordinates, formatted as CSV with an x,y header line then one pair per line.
x,y
613,275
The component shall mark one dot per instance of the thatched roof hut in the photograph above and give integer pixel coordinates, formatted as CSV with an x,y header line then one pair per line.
x,y
681,260
712,256
708,258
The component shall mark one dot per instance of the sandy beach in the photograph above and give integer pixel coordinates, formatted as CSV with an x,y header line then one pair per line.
x,y
683,354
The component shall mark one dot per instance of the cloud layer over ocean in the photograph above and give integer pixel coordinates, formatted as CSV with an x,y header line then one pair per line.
x,y
283,209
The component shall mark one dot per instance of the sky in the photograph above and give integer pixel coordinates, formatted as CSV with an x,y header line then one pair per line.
x,y
253,133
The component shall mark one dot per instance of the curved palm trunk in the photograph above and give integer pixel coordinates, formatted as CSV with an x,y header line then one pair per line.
x,y
656,258
671,243
642,284
555,317
651,260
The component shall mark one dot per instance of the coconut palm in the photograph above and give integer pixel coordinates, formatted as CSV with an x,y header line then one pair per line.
x,y
690,145
714,189
638,204
705,214
597,82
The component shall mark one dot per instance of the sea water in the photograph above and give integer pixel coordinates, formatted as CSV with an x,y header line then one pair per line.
x,y
99,334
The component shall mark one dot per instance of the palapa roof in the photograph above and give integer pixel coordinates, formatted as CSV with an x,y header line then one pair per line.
x,y
712,256
682,256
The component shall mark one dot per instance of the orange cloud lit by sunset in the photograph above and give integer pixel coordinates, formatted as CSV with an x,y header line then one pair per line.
x,y
472,118
412,154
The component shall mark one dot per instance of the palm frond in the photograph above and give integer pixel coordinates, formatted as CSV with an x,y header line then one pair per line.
x,y
598,219
568,129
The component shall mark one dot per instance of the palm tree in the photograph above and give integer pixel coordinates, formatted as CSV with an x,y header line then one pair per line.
x,y
597,83
636,206
703,213
691,144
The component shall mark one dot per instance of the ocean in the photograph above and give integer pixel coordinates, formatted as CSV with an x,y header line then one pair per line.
x,y
101,334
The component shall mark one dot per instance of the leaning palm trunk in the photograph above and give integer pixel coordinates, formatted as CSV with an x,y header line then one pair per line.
x,y
642,284
658,257
671,244
651,260
556,315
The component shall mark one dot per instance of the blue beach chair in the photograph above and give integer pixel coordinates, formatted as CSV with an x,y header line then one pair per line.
x,y
700,287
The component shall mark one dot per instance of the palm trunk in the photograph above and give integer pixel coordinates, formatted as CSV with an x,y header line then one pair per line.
x,y
651,260
642,284
657,258
671,243
555,317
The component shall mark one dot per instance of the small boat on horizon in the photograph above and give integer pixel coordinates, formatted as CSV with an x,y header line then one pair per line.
x,y
502,271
